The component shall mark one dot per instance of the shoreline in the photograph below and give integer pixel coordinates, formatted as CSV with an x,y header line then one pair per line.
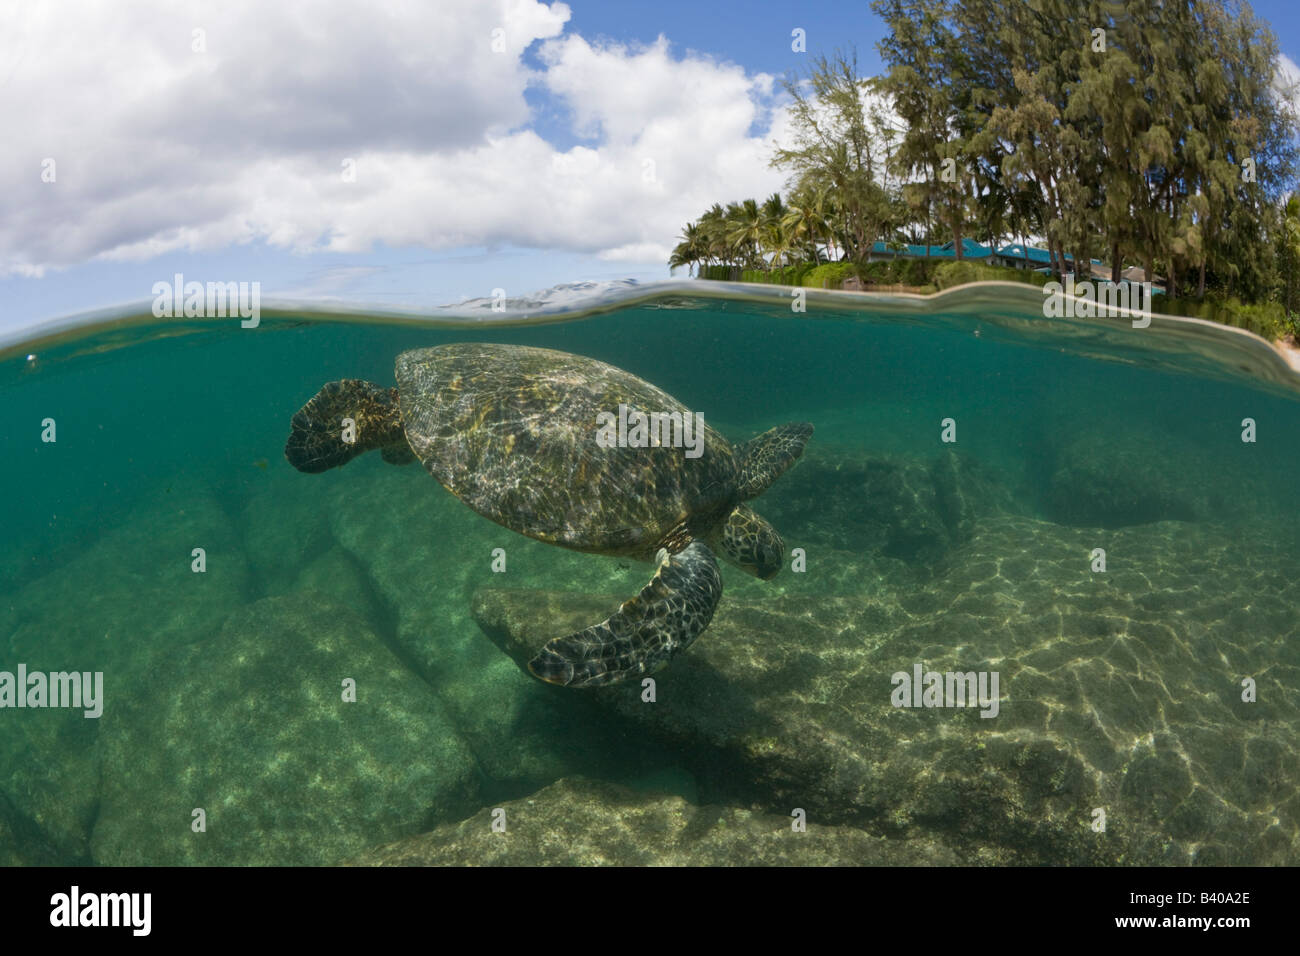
x,y
1289,351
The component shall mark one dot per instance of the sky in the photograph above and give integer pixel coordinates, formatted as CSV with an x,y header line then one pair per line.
x,y
407,154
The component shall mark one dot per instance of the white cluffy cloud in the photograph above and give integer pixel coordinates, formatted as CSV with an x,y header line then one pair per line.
x,y
1287,80
185,126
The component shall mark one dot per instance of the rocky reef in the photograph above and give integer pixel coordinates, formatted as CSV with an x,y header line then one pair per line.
x,y
1119,691
256,730
577,822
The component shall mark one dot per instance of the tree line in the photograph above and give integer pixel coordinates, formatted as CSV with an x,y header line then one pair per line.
x,y
1145,133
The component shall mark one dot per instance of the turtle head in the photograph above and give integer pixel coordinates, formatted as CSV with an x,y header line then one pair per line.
x,y
746,540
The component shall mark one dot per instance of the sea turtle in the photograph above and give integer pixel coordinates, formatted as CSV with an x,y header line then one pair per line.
x,y
516,433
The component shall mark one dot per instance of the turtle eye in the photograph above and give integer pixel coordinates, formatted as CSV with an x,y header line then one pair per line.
x,y
765,555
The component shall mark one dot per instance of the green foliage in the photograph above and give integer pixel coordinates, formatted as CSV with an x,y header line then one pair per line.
x,y
840,144
917,273
1266,319
923,78
910,272
789,275
828,275
1287,254
950,274
1118,131
1291,326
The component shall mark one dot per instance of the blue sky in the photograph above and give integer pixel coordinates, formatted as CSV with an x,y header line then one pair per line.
x,y
575,151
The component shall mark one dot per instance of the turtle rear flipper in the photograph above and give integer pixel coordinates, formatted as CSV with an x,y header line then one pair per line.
x,y
317,432
639,638
764,459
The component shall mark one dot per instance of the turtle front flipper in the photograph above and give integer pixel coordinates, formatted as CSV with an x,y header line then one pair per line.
x,y
349,409
764,459
639,638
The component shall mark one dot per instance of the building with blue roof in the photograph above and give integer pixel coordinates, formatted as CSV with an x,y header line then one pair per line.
x,y
1014,255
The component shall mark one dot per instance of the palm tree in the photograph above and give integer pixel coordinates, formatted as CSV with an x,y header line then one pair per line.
x,y
812,210
745,230
800,225
780,239
826,208
713,228
806,221
774,208
690,250
775,237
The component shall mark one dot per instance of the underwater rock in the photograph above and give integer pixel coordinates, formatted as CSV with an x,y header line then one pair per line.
x,y
126,599
1119,690
49,769
423,553
577,822
252,729
23,844
10,852
1115,478
964,489
1111,481
910,509
336,573
423,550
285,528
524,737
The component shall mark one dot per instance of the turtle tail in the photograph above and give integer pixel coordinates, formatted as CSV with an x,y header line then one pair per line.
x,y
640,637
764,459
345,419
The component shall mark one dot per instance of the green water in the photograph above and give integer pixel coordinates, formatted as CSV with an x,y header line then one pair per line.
x,y
1121,691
